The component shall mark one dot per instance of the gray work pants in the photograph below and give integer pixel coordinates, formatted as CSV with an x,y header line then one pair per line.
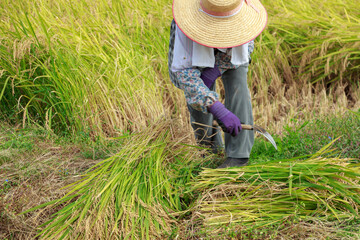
x,y
238,101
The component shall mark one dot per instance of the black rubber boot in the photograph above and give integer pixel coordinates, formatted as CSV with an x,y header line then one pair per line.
x,y
234,162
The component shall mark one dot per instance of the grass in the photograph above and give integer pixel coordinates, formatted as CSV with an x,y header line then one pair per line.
x,y
72,73
298,140
129,195
37,175
303,138
33,170
321,47
278,193
35,164
60,69
39,165
91,70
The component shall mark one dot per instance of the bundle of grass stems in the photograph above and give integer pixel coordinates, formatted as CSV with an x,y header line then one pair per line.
x,y
326,189
131,195
319,40
99,66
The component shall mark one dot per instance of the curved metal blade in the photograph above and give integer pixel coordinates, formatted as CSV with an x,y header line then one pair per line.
x,y
265,134
255,128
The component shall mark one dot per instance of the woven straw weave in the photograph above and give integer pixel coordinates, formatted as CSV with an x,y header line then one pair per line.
x,y
217,32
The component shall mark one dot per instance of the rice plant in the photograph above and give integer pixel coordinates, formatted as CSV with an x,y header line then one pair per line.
x,y
306,42
323,37
87,65
259,195
101,66
131,195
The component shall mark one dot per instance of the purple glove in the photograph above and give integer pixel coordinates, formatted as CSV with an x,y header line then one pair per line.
x,y
228,121
209,75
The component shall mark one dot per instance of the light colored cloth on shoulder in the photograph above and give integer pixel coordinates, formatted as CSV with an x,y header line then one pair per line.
x,y
189,54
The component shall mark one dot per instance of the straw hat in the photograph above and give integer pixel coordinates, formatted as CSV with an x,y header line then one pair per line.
x,y
220,23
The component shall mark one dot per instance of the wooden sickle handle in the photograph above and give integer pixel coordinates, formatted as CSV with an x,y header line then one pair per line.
x,y
247,127
244,126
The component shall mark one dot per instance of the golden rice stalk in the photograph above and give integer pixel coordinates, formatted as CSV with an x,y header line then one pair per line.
x,y
269,193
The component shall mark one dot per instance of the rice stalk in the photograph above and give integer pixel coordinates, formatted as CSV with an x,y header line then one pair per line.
x,y
264,194
323,37
96,79
100,66
306,42
132,194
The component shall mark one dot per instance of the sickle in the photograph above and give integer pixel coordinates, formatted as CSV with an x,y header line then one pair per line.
x,y
262,131
256,128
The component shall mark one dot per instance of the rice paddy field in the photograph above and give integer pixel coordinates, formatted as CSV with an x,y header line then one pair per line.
x,y
95,141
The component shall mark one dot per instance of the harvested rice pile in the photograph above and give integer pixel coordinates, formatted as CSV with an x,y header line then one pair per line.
x,y
131,195
258,195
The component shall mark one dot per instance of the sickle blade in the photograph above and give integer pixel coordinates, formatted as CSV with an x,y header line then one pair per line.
x,y
265,134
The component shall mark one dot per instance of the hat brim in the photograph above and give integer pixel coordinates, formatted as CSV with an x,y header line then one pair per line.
x,y
215,32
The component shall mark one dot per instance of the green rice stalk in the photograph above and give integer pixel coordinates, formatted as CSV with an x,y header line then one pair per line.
x,y
101,66
323,37
96,64
267,193
130,195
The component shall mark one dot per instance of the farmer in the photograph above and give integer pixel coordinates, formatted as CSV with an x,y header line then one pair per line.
x,y
209,39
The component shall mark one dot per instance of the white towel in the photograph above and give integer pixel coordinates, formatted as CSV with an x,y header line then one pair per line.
x,y
188,54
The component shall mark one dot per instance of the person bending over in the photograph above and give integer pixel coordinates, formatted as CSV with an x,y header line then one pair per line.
x,y
209,39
